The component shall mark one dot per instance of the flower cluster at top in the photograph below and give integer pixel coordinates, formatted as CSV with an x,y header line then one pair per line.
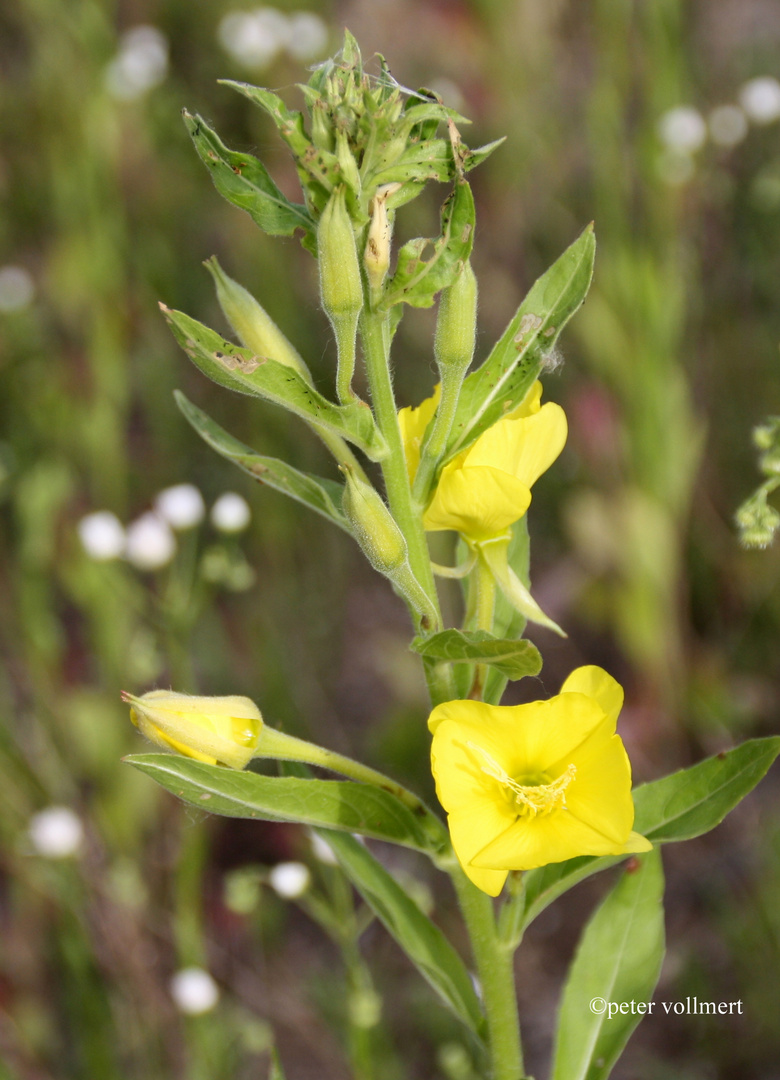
x,y
527,785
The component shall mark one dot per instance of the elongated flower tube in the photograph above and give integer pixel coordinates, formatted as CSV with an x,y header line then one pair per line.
x,y
217,730
527,785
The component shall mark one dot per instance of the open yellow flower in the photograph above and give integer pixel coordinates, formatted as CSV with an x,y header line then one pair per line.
x,y
527,785
224,730
487,487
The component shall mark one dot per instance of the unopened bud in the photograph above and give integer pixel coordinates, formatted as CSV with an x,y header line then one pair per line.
x,y
376,257
373,525
346,159
342,291
217,730
254,326
321,130
456,324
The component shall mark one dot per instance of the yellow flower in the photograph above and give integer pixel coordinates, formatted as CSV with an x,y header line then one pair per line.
x,y
487,487
527,785
224,730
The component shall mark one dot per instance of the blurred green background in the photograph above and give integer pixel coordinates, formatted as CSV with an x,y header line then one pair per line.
x,y
659,120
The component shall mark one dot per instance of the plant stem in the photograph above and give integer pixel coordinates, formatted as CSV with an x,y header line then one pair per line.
x,y
486,605
495,971
374,331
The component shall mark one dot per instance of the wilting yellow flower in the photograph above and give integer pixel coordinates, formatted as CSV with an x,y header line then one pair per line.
x,y
224,730
527,785
487,487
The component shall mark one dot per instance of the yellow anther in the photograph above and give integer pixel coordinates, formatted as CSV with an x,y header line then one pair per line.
x,y
531,799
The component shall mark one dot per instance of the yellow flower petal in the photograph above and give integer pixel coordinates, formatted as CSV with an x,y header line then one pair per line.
x,y
489,881
524,448
477,502
553,838
531,403
413,422
636,844
532,784
600,794
596,683
546,734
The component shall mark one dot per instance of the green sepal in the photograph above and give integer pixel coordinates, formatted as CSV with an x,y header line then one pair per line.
x,y
618,960
681,806
331,804
321,495
421,940
245,182
503,380
239,369
417,280
515,659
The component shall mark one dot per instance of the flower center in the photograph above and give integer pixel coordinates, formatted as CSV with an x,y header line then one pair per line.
x,y
537,795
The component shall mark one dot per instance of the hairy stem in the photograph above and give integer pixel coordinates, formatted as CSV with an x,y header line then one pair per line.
x,y
496,976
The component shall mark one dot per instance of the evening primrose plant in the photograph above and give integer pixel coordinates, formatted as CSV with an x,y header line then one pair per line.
x,y
537,796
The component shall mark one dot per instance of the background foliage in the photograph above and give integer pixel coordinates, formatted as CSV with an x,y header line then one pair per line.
x,y
668,366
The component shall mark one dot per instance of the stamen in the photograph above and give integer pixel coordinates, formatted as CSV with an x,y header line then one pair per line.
x,y
532,799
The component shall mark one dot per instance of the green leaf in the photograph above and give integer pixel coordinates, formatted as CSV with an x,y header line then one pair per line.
x,y
275,1070
417,280
618,961
332,804
239,369
245,182
503,380
692,801
513,658
422,941
313,163
321,495
681,806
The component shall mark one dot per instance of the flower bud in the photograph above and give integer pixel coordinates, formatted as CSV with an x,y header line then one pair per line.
x,y
346,159
456,325
340,285
217,730
321,130
255,328
376,257
373,525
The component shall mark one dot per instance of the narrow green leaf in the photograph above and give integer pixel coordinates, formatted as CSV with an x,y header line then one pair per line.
x,y
422,941
332,804
678,807
313,162
618,961
245,182
503,380
692,801
288,121
321,495
417,280
275,1070
239,369
513,658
